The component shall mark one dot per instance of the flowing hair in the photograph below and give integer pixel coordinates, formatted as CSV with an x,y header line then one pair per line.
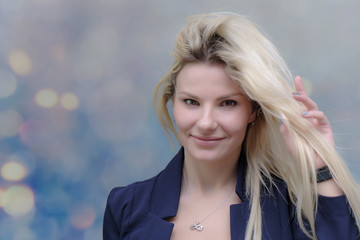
x,y
253,62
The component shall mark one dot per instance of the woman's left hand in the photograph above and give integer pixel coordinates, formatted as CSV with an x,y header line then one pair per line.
x,y
321,123
311,112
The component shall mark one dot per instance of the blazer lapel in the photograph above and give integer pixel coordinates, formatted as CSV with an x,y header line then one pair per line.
x,y
239,213
152,227
165,200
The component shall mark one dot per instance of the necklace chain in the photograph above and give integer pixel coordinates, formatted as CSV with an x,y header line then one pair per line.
x,y
197,226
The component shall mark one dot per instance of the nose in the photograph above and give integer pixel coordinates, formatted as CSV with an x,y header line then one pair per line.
x,y
207,120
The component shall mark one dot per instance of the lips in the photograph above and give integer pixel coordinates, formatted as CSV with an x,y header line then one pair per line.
x,y
207,141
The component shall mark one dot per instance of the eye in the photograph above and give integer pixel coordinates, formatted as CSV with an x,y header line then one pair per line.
x,y
191,102
228,103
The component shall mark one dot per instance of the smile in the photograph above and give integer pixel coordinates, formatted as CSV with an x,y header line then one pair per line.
x,y
206,141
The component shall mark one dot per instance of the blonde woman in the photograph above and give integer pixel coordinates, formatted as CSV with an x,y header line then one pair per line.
x,y
258,158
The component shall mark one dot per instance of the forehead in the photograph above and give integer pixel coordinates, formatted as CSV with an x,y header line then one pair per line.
x,y
205,77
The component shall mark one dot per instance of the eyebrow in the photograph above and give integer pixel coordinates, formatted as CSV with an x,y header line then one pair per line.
x,y
218,99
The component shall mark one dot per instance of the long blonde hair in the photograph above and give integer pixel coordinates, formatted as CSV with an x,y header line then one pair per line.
x,y
255,64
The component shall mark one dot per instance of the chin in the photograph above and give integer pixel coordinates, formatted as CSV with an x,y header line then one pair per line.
x,y
206,155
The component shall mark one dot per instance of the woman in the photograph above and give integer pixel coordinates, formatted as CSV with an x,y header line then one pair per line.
x,y
258,160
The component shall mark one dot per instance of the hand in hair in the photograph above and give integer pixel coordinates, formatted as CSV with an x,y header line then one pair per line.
x,y
322,124
314,115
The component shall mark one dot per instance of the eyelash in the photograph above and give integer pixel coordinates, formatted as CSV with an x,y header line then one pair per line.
x,y
191,102
225,103
228,103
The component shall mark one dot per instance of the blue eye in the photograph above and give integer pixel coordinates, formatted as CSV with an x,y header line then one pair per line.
x,y
191,102
228,103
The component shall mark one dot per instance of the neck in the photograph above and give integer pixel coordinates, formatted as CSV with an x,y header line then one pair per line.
x,y
210,177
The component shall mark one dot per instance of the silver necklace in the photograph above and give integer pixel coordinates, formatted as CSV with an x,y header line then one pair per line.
x,y
198,224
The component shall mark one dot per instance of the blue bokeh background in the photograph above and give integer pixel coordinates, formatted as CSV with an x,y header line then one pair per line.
x,y
76,83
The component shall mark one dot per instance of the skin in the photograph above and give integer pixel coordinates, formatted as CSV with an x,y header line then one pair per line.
x,y
212,114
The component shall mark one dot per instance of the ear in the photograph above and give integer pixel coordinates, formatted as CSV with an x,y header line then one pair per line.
x,y
252,116
255,108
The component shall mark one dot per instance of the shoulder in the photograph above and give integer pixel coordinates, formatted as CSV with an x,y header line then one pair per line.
x,y
138,196
122,202
121,198
127,206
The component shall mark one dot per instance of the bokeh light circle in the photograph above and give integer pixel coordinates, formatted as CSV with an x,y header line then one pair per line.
x,y
8,84
69,101
46,98
13,171
82,216
18,200
10,123
20,62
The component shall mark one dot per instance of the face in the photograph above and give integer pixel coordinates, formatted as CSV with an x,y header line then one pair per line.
x,y
211,112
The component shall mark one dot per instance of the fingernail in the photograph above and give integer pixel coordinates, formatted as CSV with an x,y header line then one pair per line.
x,y
296,93
304,113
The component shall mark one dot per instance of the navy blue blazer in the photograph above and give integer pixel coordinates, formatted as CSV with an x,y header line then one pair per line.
x,y
139,211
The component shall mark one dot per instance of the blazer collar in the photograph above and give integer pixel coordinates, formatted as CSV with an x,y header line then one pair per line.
x,y
241,177
166,192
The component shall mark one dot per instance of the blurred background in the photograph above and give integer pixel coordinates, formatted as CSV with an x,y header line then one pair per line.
x,y
76,83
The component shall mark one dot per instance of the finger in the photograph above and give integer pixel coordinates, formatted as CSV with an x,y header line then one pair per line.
x,y
306,101
318,115
299,85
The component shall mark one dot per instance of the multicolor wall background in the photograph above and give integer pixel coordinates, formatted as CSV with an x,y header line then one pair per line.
x,y
76,82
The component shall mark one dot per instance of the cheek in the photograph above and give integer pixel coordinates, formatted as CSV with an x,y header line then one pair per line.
x,y
183,118
235,124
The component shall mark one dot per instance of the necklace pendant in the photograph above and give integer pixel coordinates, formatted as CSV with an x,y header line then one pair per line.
x,y
197,227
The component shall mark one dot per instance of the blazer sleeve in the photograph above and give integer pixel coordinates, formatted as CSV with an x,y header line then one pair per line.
x,y
333,221
117,213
